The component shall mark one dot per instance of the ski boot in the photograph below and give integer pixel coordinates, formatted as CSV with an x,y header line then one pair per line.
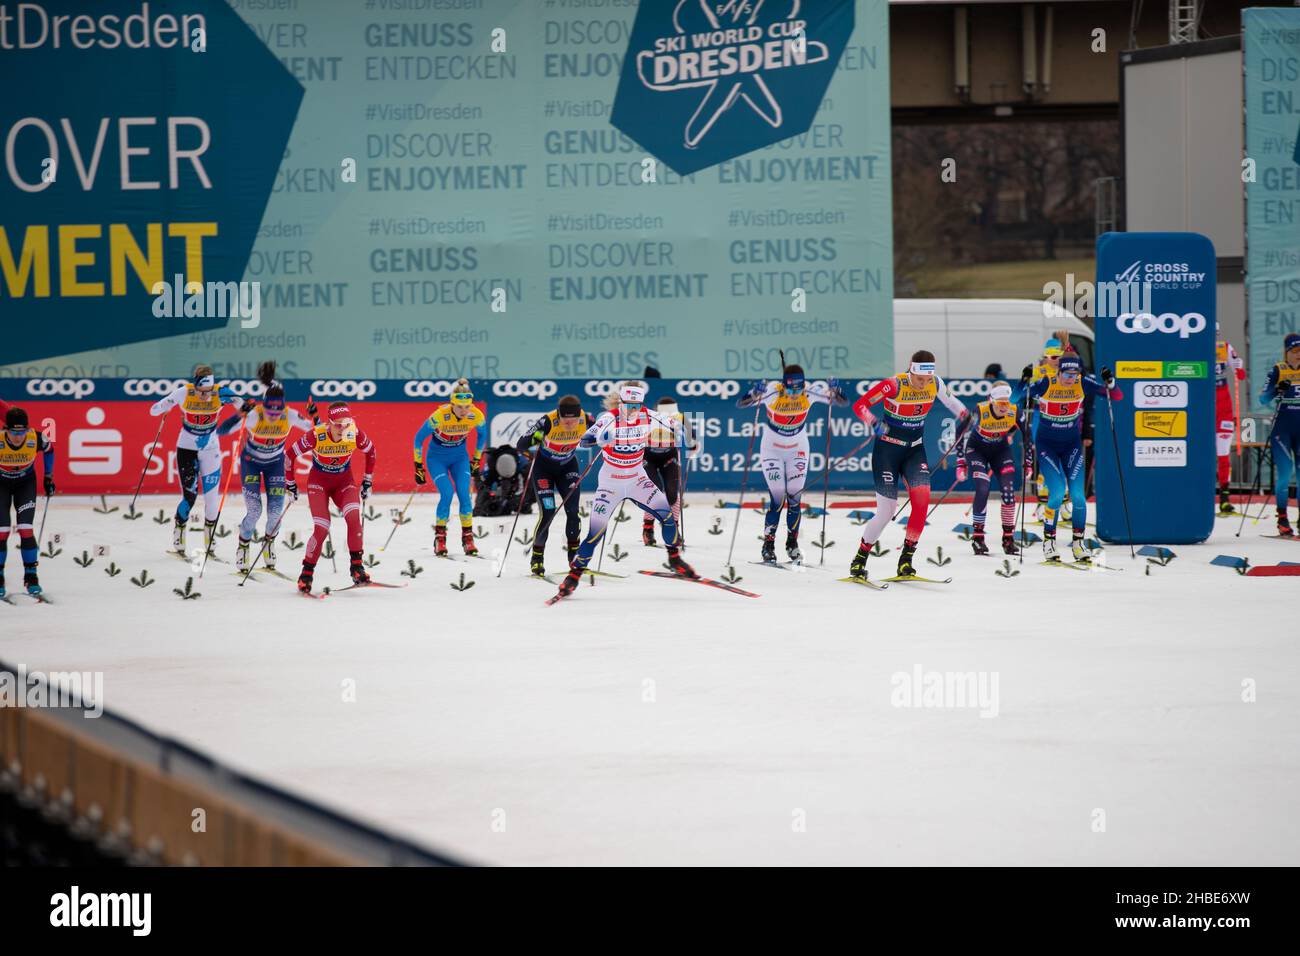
x,y
648,532
1225,503
1049,549
440,540
571,549
679,565
858,567
209,535
1009,545
769,547
905,567
2,583
467,542
570,582
268,553
178,536
305,578
1283,525
356,569
792,547
977,540
31,582
1079,549
241,555
537,565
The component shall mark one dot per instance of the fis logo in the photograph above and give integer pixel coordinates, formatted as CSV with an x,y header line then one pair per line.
x,y
330,388
77,388
1167,322
705,81
541,390
714,388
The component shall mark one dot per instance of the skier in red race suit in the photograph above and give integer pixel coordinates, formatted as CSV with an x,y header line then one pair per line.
x,y
1227,365
332,446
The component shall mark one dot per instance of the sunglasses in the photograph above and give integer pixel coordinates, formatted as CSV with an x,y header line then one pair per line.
x,y
463,398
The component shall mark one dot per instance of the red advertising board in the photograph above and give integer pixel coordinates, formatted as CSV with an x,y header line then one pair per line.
x,y
101,447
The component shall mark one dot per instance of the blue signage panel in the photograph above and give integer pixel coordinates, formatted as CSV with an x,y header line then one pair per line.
x,y
1156,329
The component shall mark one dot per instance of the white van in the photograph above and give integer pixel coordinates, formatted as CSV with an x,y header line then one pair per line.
x,y
968,335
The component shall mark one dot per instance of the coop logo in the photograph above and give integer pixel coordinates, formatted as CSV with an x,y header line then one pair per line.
x,y
542,390
600,387
1162,275
329,388
243,387
690,62
427,389
970,389
1186,325
145,387
60,387
714,388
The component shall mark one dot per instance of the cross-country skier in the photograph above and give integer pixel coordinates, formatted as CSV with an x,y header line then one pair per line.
x,y
986,452
332,446
672,430
621,436
555,470
1228,369
198,449
18,450
1058,444
783,453
267,425
900,452
449,461
1283,387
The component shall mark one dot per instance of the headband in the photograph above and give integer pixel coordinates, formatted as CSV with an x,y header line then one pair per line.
x,y
923,368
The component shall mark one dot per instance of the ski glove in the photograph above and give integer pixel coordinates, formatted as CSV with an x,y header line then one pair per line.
x,y
420,476
365,488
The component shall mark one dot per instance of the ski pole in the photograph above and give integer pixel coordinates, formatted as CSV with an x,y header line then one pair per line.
x,y
266,541
1119,468
40,535
1024,480
744,480
234,466
148,458
826,483
604,538
1259,481
956,443
397,522
523,496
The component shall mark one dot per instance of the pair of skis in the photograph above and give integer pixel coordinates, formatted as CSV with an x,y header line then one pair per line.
x,y
39,597
884,583
708,582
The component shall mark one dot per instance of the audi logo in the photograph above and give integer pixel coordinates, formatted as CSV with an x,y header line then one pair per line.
x,y
1160,391
714,387
323,388
542,390
70,387
152,386
426,389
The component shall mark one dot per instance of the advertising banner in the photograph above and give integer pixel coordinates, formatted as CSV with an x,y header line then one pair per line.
x,y
1271,65
1164,363
103,430
434,190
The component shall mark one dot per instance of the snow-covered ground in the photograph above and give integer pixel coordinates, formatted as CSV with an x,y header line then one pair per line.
x,y
649,721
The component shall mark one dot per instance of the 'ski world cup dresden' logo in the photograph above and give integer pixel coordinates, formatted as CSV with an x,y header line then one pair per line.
x,y
705,81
